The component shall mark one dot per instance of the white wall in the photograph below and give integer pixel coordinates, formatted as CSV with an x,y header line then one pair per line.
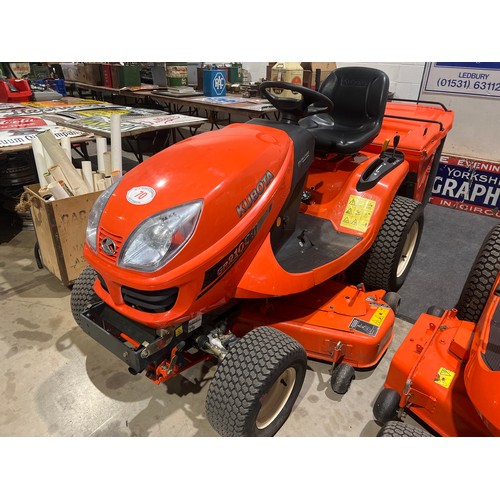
x,y
476,127
404,77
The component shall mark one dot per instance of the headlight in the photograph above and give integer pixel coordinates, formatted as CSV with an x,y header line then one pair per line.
x,y
158,239
95,215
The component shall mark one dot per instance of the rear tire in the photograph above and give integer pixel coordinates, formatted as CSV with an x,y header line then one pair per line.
x,y
387,263
256,384
82,294
481,277
401,429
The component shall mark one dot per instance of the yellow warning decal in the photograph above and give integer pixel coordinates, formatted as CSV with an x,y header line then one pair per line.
x,y
444,377
379,315
357,213
178,331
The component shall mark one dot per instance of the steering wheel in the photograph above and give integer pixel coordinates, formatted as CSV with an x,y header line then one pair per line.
x,y
312,102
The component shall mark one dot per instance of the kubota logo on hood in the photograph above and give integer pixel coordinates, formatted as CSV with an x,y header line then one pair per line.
x,y
254,194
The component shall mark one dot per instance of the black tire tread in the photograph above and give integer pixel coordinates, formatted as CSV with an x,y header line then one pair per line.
x,y
243,372
481,277
401,429
375,267
82,293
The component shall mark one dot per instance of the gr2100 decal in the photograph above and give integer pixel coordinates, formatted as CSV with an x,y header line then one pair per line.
x,y
254,194
217,271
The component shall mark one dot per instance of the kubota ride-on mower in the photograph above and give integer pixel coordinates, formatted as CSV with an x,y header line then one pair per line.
x,y
189,251
447,370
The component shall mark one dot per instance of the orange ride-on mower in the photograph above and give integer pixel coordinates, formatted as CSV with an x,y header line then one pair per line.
x,y
447,370
184,241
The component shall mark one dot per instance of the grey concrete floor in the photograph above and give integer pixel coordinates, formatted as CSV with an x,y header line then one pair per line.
x,y
56,381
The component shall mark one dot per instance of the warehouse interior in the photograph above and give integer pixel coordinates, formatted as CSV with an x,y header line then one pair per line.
x,y
61,386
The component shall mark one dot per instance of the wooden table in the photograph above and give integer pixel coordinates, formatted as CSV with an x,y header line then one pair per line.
x,y
186,104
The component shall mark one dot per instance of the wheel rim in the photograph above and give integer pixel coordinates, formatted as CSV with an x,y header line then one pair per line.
x,y
408,249
275,399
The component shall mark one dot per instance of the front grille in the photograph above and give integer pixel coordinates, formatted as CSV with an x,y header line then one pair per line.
x,y
157,301
118,241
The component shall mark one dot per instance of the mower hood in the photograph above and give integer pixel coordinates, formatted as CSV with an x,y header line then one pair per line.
x,y
227,170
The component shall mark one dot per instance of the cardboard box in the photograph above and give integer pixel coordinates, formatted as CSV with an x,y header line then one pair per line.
x,y
125,76
60,231
88,73
325,69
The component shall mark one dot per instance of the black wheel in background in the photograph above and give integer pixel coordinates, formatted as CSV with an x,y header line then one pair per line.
x,y
342,376
401,429
386,405
436,311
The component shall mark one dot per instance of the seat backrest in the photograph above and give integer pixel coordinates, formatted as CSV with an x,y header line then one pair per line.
x,y
359,95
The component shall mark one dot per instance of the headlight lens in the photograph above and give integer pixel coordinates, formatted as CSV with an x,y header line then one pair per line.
x,y
158,239
95,215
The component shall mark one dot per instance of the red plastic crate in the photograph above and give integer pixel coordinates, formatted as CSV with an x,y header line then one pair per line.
x,y
24,94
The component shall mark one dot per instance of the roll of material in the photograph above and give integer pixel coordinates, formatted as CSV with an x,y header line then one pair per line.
x,y
102,147
41,165
97,176
107,163
116,143
57,190
101,185
48,179
108,181
66,145
115,176
88,175
56,152
58,175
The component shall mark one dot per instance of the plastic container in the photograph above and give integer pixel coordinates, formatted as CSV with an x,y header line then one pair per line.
x,y
291,72
23,94
214,82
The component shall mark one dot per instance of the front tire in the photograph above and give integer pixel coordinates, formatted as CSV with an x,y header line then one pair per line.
x,y
256,384
82,293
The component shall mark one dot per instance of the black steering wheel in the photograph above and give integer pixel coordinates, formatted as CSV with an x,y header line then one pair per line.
x,y
312,102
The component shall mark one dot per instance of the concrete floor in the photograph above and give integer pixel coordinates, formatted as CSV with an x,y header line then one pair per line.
x,y
56,381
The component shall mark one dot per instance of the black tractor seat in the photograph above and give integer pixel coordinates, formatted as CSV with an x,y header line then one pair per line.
x,y
359,96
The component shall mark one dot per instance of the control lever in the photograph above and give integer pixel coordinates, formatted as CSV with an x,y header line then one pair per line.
x,y
395,142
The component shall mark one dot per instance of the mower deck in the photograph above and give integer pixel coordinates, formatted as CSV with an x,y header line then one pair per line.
x,y
334,322
428,371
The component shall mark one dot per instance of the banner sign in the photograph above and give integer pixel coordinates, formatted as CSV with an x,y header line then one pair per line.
x,y
467,78
467,184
